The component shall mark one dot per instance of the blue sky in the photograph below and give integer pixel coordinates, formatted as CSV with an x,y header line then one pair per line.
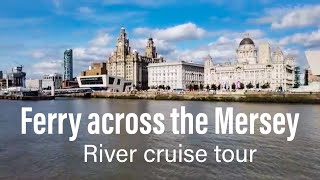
x,y
35,33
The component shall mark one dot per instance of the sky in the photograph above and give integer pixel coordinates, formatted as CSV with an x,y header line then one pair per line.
x,y
35,33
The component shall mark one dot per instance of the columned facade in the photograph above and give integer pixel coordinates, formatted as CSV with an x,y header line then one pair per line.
x,y
275,73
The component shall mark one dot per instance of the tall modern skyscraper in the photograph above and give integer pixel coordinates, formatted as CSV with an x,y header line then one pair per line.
x,y
68,65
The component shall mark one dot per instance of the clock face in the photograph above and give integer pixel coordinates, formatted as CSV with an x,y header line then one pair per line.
x,y
120,43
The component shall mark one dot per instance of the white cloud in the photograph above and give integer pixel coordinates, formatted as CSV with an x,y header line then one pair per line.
x,y
223,48
299,16
164,48
185,31
87,54
38,54
46,67
50,60
308,40
85,10
102,39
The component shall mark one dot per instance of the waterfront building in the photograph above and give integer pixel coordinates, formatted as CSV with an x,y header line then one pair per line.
x,y
52,79
34,84
68,65
70,84
256,68
130,65
312,74
176,75
17,77
312,77
313,58
95,69
1,75
105,82
5,83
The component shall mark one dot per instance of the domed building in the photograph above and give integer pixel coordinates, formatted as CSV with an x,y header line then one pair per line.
x,y
247,52
254,68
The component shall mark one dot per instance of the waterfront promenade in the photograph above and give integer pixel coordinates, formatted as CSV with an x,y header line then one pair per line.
x,y
266,97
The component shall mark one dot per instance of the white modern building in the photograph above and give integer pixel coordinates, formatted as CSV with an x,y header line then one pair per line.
x,y
105,82
176,75
52,79
256,68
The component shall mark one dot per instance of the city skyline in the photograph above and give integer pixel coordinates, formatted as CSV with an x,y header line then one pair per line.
x,y
38,35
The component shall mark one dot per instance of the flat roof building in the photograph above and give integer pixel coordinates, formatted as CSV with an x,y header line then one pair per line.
x,y
52,79
175,75
95,69
34,84
105,82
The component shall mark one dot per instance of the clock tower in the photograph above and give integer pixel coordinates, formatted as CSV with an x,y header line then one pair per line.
x,y
123,48
151,49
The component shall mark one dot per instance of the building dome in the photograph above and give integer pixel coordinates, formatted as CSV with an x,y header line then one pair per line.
x,y
246,41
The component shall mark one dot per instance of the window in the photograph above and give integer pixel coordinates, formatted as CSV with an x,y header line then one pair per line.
x,y
118,82
92,80
111,80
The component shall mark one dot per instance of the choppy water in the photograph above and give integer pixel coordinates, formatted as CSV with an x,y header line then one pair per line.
x,y
54,157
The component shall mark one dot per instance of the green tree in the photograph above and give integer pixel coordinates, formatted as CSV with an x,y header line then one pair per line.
x,y
241,86
249,86
233,86
214,87
265,86
201,87
196,87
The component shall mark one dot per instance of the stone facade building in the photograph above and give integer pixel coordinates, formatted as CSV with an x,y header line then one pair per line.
x,y
130,65
176,75
254,68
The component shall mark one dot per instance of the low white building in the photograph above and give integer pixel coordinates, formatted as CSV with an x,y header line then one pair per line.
x,y
176,75
105,82
34,84
50,79
253,68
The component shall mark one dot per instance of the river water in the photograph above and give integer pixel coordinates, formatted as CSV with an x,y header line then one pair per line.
x,y
33,156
